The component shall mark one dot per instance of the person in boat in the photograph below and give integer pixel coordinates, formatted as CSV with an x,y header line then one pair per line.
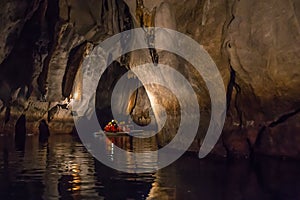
x,y
112,126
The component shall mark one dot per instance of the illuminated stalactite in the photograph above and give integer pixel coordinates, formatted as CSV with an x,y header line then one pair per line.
x,y
77,88
139,105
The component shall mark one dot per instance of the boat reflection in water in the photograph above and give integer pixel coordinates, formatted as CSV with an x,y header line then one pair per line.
x,y
130,144
63,169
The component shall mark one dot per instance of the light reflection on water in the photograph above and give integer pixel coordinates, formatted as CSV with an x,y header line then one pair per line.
x,y
63,169
146,146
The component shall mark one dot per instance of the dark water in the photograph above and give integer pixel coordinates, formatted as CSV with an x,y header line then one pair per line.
x,y
63,169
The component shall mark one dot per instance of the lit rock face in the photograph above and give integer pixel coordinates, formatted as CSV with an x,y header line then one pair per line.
x,y
79,22
159,14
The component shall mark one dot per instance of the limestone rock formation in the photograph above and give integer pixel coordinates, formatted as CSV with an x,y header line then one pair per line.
x,y
43,44
14,15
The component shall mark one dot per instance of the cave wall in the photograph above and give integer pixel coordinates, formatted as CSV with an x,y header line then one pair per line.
x,y
254,44
43,44
264,56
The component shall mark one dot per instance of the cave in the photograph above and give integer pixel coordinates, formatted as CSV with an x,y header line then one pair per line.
x,y
211,84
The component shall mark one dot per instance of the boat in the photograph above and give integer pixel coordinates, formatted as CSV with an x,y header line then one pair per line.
x,y
113,129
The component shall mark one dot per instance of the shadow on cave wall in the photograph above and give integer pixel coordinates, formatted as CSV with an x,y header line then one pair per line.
x,y
138,107
105,88
104,92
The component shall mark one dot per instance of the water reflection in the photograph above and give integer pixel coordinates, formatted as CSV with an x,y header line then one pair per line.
x,y
63,169
20,133
147,161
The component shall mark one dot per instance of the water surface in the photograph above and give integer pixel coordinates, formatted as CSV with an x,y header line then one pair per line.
x,y
63,169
